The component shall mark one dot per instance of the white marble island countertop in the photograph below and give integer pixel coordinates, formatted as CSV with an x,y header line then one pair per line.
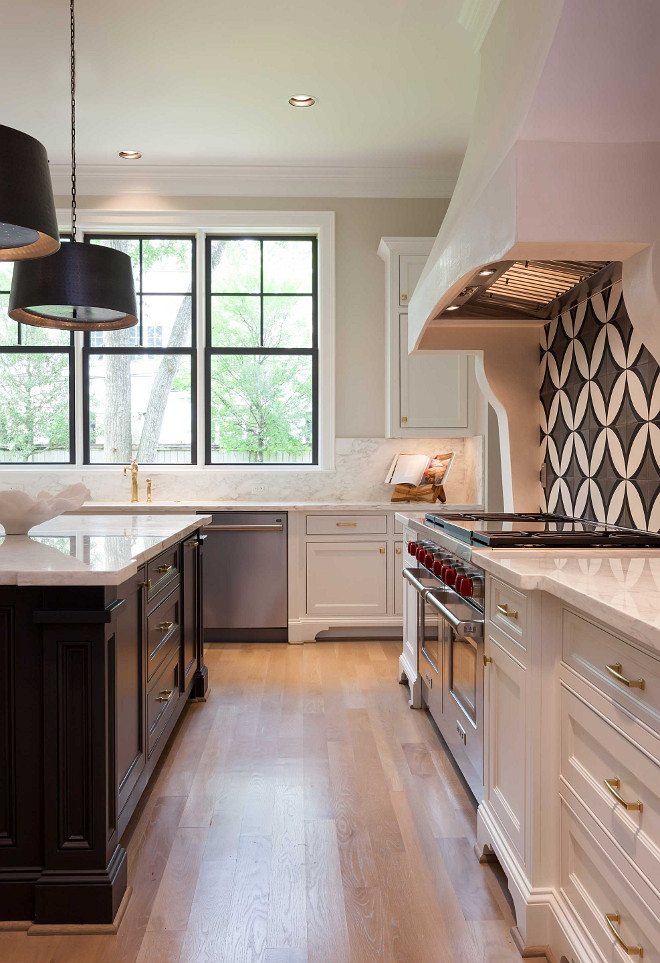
x,y
90,549
619,588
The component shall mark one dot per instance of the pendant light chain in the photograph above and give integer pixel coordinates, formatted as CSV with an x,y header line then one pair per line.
x,y
73,121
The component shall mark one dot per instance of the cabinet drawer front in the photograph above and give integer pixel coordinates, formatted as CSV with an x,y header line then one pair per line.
x,y
162,570
593,751
507,609
347,524
163,631
599,657
162,698
595,886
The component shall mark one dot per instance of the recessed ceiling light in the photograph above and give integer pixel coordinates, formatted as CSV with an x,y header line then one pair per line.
x,y
302,100
453,307
130,154
486,272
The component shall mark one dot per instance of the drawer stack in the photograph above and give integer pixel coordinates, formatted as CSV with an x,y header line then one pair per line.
x,y
610,788
163,641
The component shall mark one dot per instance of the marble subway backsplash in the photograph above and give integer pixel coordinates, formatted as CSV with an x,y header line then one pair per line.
x,y
360,467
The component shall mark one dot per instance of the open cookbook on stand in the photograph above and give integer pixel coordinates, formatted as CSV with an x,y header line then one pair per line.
x,y
418,478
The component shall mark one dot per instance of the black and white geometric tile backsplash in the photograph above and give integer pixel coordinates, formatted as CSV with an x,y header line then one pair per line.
x,y
600,416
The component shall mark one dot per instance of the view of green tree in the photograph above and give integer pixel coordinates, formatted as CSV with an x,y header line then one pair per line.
x,y
34,406
140,404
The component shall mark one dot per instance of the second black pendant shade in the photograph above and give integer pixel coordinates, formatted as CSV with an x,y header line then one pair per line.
x,y
28,224
83,287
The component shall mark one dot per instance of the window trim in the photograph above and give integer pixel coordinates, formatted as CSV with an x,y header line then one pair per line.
x,y
235,222
211,350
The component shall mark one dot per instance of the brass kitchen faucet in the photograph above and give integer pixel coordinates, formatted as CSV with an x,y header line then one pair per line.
x,y
134,467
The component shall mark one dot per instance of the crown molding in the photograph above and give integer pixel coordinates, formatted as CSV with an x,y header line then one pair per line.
x,y
476,16
188,181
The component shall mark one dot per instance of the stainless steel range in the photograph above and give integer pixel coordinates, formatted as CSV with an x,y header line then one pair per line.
x,y
450,610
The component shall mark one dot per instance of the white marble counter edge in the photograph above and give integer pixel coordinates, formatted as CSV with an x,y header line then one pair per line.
x,y
208,505
627,623
104,576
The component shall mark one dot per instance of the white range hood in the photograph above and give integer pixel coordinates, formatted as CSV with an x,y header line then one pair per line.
x,y
563,164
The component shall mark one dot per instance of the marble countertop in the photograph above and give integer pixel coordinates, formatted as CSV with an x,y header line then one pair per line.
x,y
620,588
209,505
90,549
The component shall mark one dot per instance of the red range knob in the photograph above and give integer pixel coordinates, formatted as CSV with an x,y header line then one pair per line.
x,y
428,560
467,588
450,575
458,584
412,548
420,552
437,566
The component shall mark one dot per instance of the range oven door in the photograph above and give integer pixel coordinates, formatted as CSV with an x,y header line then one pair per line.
x,y
430,649
462,714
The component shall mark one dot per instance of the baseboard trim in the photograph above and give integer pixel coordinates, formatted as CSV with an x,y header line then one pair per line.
x,y
83,929
530,952
14,926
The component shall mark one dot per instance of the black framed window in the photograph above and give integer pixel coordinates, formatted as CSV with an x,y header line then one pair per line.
x,y
140,390
36,389
261,350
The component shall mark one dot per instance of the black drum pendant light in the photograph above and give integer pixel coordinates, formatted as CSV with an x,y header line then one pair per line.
x,y
82,287
28,223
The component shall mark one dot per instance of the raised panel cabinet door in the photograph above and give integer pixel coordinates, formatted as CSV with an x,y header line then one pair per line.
x,y
433,388
506,763
410,271
398,578
347,578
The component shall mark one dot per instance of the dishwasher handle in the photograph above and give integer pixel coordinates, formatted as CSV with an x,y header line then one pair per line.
x,y
244,528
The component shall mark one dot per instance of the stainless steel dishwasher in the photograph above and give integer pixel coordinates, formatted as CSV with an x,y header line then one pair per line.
x,y
245,577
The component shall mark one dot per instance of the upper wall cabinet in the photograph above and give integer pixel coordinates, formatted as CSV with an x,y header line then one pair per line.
x,y
430,392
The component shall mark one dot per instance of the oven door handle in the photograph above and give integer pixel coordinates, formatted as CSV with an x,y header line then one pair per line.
x,y
473,628
414,581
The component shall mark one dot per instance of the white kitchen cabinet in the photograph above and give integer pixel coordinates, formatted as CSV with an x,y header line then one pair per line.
x,y
430,393
505,742
410,271
346,578
398,578
433,389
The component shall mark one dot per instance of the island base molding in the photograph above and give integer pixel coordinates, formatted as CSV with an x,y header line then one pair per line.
x,y
543,918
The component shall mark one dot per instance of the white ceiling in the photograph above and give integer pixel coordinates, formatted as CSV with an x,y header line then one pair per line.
x,y
207,82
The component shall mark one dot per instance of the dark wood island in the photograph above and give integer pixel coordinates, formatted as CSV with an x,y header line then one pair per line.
x,y
100,647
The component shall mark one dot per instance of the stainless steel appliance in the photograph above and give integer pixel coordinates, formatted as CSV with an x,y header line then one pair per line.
x,y
450,625
245,577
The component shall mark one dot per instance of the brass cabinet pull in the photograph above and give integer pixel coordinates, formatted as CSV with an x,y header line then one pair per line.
x,y
614,785
165,695
398,550
346,524
404,297
381,550
165,627
611,919
504,609
615,670
487,660
164,569
403,420
146,585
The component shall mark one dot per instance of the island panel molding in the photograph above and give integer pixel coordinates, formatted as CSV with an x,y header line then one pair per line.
x,y
600,416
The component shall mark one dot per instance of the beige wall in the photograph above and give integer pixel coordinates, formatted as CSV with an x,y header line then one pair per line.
x,y
360,281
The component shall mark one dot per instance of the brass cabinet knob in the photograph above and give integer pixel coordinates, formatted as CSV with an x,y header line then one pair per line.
x,y
165,627
165,695
404,297
164,569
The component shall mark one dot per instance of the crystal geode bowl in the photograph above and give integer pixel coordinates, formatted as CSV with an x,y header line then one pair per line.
x,y
19,512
